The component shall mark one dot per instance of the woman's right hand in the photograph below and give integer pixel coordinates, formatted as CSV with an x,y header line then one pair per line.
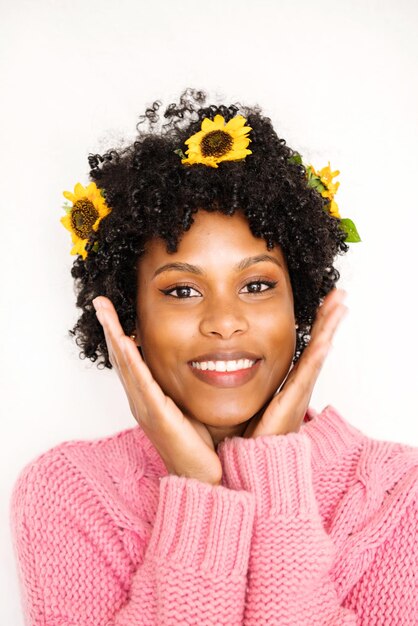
x,y
184,444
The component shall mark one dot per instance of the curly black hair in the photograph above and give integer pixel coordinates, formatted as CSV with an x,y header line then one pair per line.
x,y
152,194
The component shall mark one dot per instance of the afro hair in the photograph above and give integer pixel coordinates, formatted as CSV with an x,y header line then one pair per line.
x,y
152,194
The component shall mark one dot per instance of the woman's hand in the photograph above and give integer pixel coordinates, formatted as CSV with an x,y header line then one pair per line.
x,y
287,409
184,444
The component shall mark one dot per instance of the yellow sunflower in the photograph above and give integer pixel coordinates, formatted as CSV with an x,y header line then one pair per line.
x,y
84,217
217,141
325,175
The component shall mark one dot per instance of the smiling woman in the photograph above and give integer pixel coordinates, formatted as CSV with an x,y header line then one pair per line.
x,y
221,302
206,280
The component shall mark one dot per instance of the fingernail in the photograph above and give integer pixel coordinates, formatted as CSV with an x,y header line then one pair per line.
x,y
98,304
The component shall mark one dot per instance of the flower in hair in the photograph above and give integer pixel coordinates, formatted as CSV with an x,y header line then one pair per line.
x,y
322,182
83,218
218,141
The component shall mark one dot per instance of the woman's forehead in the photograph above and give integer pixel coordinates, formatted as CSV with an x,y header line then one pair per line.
x,y
214,238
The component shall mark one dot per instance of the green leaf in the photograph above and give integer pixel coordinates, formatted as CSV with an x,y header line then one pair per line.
x,y
296,158
350,228
180,152
67,208
316,183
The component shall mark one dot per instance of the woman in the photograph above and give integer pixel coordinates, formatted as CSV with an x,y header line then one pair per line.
x,y
206,279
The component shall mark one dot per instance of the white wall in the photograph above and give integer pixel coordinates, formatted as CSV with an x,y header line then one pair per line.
x,y
339,80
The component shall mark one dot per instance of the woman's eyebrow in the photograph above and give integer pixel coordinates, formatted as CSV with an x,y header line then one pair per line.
x,y
196,269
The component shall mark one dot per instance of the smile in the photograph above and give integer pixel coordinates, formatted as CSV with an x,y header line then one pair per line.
x,y
223,366
230,373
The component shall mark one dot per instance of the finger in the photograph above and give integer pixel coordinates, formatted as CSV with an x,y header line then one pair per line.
x,y
124,355
108,322
324,330
139,383
288,408
115,338
327,319
136,366
335,297
314,355
150,398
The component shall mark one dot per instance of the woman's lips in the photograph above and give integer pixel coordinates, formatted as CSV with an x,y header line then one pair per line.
x,y
226,379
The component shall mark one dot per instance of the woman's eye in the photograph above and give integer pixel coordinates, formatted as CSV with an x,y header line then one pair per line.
x,y
257,286
182,291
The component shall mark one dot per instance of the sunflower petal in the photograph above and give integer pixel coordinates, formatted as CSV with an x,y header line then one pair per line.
x,y
239,132
236,122
70,196
241,143
210,161
218,122
79,190
66,221
96,223
79,248
103,210
92,190
241,154
207,125
195,138
234,156
333,209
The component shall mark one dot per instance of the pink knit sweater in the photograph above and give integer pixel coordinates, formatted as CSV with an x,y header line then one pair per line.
x,y
311,528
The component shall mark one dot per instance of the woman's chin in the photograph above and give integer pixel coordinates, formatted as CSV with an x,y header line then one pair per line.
x,y
220,419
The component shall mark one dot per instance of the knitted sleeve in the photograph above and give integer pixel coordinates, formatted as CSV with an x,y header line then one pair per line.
x,y
74,570
291,553
195,569
387,592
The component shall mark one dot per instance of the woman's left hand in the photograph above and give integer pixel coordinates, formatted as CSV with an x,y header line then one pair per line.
x,y
287,409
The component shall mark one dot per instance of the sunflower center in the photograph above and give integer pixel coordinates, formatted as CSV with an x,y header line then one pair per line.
x,y
83,216
216,143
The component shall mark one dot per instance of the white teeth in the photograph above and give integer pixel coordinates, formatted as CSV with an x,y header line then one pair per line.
x,y
223,366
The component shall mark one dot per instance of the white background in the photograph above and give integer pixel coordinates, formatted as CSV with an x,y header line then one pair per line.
x,y
338,79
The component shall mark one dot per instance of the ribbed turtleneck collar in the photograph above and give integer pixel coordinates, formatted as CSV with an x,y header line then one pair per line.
x,y
331,435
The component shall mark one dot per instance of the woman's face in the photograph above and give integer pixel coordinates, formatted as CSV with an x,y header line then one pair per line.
x,y
221,302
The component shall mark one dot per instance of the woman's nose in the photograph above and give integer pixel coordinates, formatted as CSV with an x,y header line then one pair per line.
x,y
223,319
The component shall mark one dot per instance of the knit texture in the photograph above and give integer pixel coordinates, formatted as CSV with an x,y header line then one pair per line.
x,y
317,527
